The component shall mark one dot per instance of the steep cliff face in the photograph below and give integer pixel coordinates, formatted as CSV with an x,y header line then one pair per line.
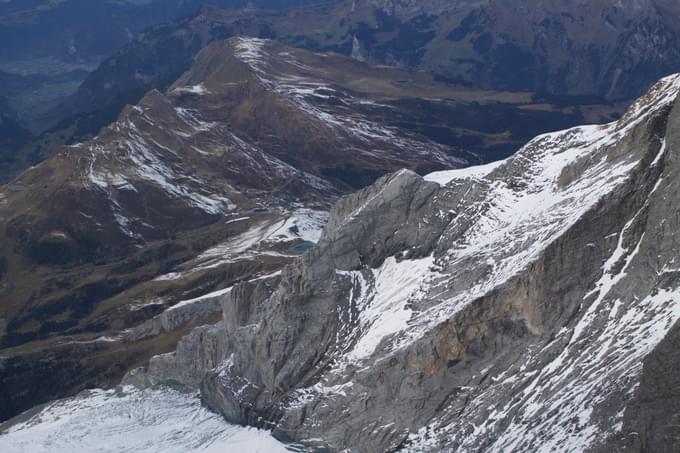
x,y
523,305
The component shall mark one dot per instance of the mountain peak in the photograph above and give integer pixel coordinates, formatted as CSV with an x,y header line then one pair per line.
x,y
250,49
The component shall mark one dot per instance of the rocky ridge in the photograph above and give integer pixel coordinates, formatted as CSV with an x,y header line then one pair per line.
x,y
498,45
487,45
571,56
523,305
225,176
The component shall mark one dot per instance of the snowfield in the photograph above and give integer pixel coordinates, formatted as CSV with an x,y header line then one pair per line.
x,y
131,420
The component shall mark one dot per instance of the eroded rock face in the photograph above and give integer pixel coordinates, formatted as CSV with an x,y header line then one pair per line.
x,y
517,306
651,419
204,347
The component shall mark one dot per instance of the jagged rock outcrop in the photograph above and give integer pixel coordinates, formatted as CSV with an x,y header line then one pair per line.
x,y
518,306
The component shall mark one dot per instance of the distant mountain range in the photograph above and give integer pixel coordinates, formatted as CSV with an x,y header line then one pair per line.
x,y
49,46
555,50
84,31
552,48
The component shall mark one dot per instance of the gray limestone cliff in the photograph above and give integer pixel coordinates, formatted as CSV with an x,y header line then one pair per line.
x,y
526,305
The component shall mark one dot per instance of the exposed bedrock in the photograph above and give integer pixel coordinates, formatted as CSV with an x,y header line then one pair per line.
x,y
520,306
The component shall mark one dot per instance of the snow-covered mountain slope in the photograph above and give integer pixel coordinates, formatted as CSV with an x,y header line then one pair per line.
x,y
225,176
512,307
128,420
